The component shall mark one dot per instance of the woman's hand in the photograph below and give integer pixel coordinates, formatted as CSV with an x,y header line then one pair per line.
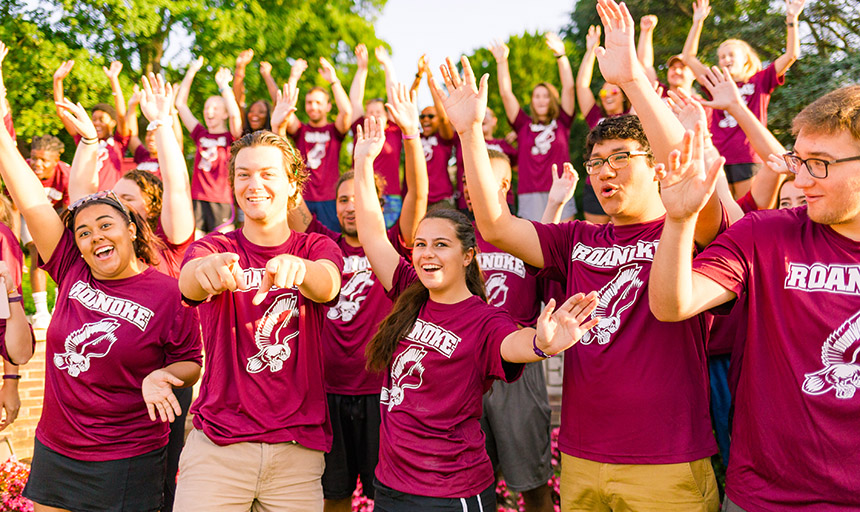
x,y
157,390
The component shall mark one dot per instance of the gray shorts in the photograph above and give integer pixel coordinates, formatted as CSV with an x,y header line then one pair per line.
x,y
517,424
530,206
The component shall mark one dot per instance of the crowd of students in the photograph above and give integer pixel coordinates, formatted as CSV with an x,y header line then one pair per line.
x,y
388,324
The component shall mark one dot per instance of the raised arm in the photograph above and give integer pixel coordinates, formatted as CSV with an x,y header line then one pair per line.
x,y
61,73
403,109
296,72
500,52
560,193
369,221
793,8
675,292
423,67
446,129
586,71
271,85
242,61
356,89
341,98
701,9
645,48
84,175
466,104
118,99
234,116
185,113
27,192
387,66
725,96
132,128
565,73
177,212
285,107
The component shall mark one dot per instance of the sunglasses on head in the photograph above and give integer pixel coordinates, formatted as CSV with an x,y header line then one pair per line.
x,y
107,196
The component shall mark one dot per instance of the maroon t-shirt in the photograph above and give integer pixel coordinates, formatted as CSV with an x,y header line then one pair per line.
x,y
437,152
728,137
320,147
635,389
170,256
264,364
210,181
10,126
146,162
540,146
430,440
500,145
350,324
595,116
796,409
10,252
57,186
387,164
109,157
509,285
104,338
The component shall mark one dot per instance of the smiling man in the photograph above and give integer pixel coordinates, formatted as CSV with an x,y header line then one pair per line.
x,y
796,407
261,290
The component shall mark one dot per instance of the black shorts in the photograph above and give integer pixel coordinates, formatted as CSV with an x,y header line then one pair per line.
x,y
209,215
590,204
355,423
134,484
389,500
740,172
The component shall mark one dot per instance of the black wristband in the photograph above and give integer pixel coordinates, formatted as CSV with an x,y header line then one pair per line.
x,y
16,298
11,376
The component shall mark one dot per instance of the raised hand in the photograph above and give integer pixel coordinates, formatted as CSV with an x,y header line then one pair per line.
x,y
283,271
64,70
266,68
113,72
157,98
285,104
220,272
134,99
701,10
617,58
499,50
326,70
592,38
465,102
195,65
685,184
563,186
686,109
423,64
244,58
299,67
648,22
403,109
77,115
369,141
720,84
776,163
554,43
361,56
793,8
157,391
382,56
560,329
223,78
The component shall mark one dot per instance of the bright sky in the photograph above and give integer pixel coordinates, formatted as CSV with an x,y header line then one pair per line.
x,y
442,28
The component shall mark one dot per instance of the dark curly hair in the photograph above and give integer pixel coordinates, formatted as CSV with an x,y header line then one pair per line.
x,y
152,189
267,123
47,143
626,127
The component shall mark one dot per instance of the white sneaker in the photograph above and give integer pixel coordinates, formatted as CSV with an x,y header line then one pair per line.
x,y
40,321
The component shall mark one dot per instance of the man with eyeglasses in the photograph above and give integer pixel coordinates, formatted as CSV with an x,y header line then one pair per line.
x,y
797,410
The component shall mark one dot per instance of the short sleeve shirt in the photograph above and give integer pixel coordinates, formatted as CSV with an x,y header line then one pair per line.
x,y
540,146
437,152
797,409
320,147
211,180
146,162
105,337
263,380
430,441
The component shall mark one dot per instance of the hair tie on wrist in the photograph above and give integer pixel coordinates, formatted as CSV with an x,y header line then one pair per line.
x,y
538,352
410,137
11,376
88,141
16,298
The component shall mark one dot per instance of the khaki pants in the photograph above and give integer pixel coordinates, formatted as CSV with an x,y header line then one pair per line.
x,y
588,485
259,477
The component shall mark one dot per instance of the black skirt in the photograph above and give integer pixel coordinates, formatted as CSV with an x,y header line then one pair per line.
x,y
134,484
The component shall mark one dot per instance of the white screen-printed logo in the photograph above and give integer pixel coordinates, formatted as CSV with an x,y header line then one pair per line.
x,y
92,340
839,354
614,298
352,295
544,138
407,372
274,332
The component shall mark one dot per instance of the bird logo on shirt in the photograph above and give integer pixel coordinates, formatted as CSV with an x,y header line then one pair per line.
x,y
615,298
273,335
92,340
407,372
841,370
351,296
544,139
497,290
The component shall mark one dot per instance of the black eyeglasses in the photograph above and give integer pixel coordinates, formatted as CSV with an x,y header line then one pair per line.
x,y
616,161
817,167
110,195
